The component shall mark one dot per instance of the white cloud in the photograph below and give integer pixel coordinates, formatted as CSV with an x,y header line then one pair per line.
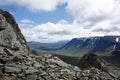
x,y
26,21
98,16
50,32
90,8
93,11
35,5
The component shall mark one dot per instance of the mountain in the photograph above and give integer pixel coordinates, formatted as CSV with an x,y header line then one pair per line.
x,y
105,44
46,46
10,34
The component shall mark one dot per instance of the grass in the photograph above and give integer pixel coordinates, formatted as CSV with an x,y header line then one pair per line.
x,y
72,56
70,52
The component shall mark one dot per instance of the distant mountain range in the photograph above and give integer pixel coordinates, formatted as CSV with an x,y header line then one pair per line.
x,y
47,46
79,46
94,44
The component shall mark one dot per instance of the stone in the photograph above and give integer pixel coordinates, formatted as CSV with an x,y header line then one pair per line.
x,y
31,70
2,53
31,77
52,66
17,59
1,65
9,52
5,60
9,69
58,62
77,68
36,65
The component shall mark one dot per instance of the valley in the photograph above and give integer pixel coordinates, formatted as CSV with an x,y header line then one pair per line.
x,y
107,47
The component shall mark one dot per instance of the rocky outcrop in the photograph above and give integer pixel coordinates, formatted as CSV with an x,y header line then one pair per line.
x,y
93,61
10,34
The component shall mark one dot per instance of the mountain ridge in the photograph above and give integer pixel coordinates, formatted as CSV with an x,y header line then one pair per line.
x,y
94,43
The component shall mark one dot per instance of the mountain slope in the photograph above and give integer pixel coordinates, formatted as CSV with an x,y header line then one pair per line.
x,y
78,46
94,44
10,34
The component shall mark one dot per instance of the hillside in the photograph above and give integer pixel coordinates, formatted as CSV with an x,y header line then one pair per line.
x,y
100,45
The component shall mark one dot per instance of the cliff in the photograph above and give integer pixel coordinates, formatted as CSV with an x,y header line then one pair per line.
x,y
10,34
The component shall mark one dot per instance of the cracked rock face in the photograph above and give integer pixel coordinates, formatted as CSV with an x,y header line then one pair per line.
x,y
10,34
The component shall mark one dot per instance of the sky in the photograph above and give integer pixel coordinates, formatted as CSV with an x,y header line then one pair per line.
x,y
55,20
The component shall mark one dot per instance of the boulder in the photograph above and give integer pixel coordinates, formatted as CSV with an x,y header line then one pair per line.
x,y
9,52
57,62
9,69
91,60
31,70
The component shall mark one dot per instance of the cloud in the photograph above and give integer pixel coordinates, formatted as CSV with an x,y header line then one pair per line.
x,y
51,32
35,5
26,23
99,17
60,33
94,11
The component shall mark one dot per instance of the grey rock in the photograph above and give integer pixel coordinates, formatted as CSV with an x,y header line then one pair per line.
x,y
9,69
77,68
52,66
36,65
31,77
92,60
58,62
1,65
11,36
31,70
6,59
17,59
9,52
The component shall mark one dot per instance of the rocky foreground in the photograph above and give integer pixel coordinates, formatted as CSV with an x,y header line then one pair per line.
x,y
17,62
32,67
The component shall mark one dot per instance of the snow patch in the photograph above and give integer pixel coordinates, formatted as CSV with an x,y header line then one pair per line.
x,y
117,39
